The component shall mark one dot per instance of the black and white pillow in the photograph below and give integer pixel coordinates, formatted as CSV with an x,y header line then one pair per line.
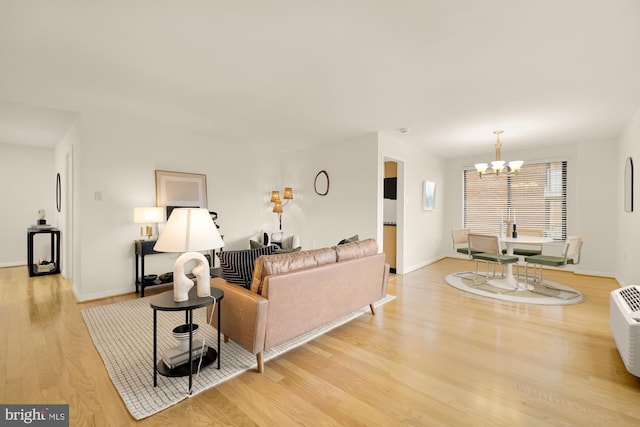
x,y
237,266
353,238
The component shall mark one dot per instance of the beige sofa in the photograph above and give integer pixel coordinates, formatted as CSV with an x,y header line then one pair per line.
x,y
295,292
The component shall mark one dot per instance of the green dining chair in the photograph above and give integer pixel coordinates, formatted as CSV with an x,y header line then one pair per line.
x,y
460,240
487,248
569,255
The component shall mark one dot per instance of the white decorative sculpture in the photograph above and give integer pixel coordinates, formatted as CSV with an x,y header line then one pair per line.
x,y
182,284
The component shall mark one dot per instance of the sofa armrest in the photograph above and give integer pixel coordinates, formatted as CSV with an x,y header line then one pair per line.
x,y
243,315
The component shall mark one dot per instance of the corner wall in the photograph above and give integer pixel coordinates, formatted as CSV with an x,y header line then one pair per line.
x,y
117,159
420,231
349,208
628,230
64,165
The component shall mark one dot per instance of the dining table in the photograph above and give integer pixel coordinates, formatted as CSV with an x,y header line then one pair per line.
x,y
509,281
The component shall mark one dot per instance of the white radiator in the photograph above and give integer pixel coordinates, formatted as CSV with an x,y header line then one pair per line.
x,y
624,320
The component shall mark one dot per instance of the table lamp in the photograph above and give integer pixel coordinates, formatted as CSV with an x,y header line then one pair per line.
x,y
149,216
189,230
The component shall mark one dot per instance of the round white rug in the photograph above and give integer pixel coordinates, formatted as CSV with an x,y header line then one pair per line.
x,y
551,293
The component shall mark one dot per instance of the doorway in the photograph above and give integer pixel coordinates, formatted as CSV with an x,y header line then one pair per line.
x,y
393,213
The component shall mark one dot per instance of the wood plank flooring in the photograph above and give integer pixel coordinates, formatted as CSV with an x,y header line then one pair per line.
x,y
433,357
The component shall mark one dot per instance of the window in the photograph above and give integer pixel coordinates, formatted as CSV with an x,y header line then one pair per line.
x,y
537,198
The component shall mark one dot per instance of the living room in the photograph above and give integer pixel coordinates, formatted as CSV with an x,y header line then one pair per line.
x,y
107,156
240,180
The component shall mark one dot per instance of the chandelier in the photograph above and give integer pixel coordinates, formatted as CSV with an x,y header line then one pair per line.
x,y
498,166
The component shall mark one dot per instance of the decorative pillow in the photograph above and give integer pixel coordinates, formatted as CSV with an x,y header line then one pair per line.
x,y
237,266
255,245
353,238
265,239
287,251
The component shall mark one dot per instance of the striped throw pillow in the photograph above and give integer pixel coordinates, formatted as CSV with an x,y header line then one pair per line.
x,y
237,266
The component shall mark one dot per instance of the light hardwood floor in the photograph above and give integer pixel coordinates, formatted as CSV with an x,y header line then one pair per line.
x,y
434,356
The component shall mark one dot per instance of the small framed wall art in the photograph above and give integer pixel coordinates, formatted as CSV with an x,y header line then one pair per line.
x,y
429,196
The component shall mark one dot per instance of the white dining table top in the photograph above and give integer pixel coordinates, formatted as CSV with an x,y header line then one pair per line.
x,y
526,239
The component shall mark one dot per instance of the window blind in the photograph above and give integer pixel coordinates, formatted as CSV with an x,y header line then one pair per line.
x,y
536,198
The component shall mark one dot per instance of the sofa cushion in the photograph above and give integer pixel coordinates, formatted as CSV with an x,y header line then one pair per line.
x,y
237,266
287,262
356,249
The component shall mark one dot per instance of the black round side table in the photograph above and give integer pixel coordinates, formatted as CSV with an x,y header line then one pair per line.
x,y
165,302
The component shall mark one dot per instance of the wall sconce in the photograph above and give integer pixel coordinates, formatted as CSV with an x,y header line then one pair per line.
x,y
149,216
287,194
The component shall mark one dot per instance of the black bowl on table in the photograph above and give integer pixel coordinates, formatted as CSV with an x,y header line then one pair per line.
x,y
150,278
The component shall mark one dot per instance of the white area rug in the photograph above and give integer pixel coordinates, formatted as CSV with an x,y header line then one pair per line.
x,y
123,336
551,294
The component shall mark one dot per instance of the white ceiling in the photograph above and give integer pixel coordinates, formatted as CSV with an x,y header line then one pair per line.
x,y
292,73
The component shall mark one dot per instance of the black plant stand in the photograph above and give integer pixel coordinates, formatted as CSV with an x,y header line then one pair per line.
x,y
55,250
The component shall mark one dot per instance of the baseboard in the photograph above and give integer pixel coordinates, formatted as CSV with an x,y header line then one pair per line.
x,y
423,264
12,264
595,273
99,295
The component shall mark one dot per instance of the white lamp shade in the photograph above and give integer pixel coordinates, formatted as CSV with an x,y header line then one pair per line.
x,y
516,164
481,167
189,229
497,165
148,215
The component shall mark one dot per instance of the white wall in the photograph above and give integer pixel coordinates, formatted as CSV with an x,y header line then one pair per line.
x,y
420,230
351,205
117,158
628,247
591,198
28,184
596,203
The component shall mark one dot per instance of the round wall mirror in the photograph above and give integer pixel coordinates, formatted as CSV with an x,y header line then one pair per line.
x,y
321,183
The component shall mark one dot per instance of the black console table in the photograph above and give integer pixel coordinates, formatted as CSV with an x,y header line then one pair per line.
x,y
55,250
145,247
142,248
